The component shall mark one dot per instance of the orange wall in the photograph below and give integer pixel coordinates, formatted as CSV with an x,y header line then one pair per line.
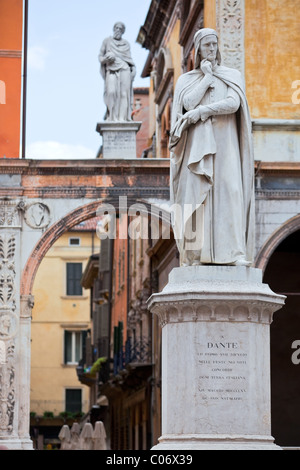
x,y
272,39
210,14
11,24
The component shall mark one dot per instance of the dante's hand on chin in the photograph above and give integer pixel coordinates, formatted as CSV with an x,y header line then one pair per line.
x,y
206,67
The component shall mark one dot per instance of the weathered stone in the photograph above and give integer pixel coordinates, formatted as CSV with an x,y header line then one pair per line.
x,y
215,358
119,139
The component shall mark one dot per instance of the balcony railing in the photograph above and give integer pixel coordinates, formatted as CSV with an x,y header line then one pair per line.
x,y
138,352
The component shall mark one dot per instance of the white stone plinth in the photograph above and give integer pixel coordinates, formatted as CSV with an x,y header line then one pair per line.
x,y
119,139
215,358
16,444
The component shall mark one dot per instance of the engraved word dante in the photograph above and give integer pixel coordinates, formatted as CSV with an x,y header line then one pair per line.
x,y
223,345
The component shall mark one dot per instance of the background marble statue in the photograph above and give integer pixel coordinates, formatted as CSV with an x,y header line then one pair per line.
x,y
118,72
212,166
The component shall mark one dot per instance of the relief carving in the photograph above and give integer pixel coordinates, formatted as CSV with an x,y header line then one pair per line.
x,y
230,25
2,353
212,311
7,388
9,215
8,322
37,215
7,272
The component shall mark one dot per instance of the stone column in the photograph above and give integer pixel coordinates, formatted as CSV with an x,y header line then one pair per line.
x,y
27,302
215,358
11,351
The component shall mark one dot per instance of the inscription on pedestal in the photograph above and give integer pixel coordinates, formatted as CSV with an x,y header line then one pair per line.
x,y
223,367
119,139
124,141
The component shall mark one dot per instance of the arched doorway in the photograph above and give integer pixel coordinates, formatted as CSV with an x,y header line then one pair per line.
x,y
134,247
283,275
64,193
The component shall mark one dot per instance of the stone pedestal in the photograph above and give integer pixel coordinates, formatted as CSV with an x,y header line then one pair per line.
x,y
215,358
119,139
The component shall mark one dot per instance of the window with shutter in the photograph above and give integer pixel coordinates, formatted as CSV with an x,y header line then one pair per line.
x,y
104,263
73,341
73,400
101,322
74,274
104,320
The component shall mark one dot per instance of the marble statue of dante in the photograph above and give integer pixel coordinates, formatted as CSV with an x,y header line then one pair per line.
x,y
118,71
212,164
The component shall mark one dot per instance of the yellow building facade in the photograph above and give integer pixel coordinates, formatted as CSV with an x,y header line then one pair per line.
x,y
258,37
61,318
270,34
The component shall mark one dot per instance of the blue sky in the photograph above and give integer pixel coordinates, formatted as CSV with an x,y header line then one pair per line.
x,y
64,86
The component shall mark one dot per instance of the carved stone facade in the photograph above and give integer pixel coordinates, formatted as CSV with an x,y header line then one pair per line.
x,y
39,201
231,28
9,316
15,323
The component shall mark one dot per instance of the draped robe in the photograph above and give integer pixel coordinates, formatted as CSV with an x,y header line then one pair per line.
x,y
212,172
117,78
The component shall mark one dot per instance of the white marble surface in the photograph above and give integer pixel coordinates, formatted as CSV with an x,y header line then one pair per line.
x,y
119,139
215,358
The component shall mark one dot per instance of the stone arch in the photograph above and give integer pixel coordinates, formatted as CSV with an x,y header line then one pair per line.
x,y
71,219
164,63
274,241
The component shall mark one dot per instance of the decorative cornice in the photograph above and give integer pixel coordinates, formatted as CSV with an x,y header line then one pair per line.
x,y
193,310
91,192
84,167
9,212
194,21
271,194
215,294
158,17
276,125
277,168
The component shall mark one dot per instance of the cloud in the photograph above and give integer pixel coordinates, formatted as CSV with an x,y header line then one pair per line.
x,y
52,150
37,57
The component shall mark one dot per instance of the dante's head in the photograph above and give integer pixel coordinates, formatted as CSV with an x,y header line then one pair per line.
x,y
206,46
119,30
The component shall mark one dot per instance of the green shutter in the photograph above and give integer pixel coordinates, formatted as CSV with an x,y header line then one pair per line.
x,y
67,347
105,251
74,274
